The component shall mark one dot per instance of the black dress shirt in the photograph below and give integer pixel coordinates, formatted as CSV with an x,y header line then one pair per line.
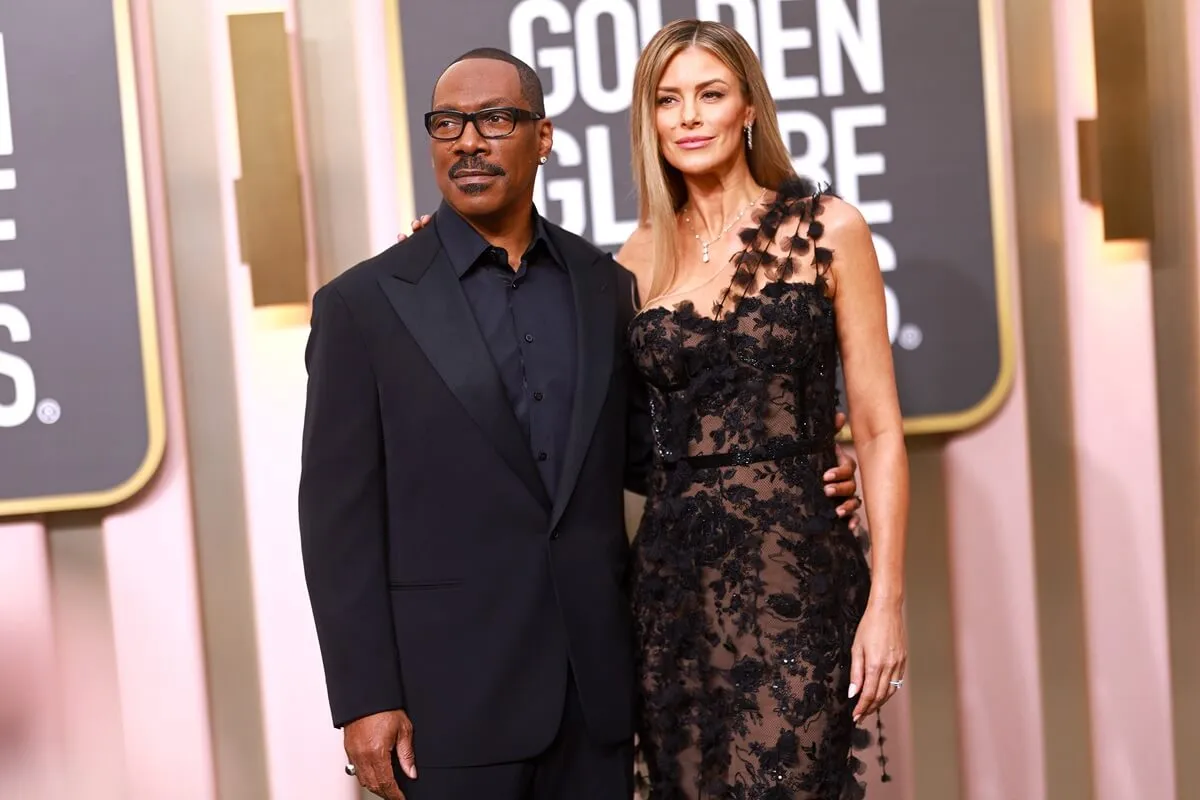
x,y
527,318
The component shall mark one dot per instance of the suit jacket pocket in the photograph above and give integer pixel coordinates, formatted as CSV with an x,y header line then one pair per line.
x,y
419,585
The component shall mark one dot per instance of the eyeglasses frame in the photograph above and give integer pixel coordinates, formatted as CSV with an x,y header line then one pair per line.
x,y
519,115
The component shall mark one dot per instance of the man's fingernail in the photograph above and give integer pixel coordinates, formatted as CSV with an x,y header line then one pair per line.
x,y
853,689
830,489
841,512
857,717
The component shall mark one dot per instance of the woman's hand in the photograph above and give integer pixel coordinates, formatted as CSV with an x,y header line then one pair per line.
x,y
418,223
879,656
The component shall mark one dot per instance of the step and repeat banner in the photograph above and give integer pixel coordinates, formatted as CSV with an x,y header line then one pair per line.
x,y
81,417
893,103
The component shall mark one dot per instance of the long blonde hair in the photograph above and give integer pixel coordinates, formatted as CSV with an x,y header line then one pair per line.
x,y
661,190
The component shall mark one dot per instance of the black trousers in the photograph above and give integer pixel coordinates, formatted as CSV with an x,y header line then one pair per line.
x,y
573,767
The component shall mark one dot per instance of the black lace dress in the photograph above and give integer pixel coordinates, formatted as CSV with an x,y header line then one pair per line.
x,y
748,587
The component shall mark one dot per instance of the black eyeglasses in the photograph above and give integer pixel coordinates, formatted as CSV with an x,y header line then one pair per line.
x,y
492,123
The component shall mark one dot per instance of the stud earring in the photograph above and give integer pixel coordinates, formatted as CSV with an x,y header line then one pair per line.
x,y
749,137
542,160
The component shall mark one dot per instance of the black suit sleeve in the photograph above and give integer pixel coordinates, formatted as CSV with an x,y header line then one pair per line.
x,y
343,517
639,440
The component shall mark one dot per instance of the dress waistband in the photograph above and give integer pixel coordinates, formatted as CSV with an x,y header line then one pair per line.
x,y
772,451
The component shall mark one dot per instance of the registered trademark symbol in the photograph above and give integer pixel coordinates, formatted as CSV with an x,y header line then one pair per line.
x,y
910,337
49,411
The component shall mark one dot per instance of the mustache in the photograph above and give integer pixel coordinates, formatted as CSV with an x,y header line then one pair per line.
x,y
475,165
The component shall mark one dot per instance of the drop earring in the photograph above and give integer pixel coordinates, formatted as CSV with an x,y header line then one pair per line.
x,y
749,137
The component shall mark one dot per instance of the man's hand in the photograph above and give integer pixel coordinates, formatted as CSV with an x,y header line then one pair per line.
x,y
418,223
369,742
839,481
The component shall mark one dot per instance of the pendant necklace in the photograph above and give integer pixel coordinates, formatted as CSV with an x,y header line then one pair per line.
x,y
705,245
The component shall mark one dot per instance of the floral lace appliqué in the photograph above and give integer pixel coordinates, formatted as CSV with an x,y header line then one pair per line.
x,y
748,587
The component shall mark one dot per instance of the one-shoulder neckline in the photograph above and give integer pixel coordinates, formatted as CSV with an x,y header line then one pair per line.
x,y
781,206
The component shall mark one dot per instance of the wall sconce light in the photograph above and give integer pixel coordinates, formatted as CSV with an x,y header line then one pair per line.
x,y
1115,167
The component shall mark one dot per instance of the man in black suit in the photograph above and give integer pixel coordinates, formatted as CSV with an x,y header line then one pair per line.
x,y
472,421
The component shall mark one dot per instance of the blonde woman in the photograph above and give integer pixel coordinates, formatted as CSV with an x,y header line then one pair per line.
x,y
763,637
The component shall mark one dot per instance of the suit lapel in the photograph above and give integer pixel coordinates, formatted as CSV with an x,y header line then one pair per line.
x,y
594,315
429,299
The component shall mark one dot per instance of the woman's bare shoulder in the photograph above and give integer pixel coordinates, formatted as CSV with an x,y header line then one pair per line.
x,y
844,229
638,247
637,256
841,218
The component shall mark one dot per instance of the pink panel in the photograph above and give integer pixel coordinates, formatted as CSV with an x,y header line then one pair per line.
x,y
151,556
1116,431
308,761
994,595
995,615
27,688
305,757
376,123
1193,25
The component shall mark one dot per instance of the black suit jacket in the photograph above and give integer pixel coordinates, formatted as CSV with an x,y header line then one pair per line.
x,y
443,579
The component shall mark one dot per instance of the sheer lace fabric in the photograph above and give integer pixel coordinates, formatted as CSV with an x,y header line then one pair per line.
x,y
748,588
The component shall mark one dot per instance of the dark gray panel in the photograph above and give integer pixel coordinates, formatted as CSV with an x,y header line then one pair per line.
x,y
923,112
73,413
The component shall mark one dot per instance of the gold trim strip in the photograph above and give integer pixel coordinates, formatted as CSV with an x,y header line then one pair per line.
x,y
144,279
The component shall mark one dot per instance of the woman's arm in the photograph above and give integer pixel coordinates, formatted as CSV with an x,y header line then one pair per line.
x,y
880,650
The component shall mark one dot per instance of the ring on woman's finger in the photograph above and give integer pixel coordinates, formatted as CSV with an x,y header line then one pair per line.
x,y
897,684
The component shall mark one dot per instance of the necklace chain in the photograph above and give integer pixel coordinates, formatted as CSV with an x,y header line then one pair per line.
x,y
705,245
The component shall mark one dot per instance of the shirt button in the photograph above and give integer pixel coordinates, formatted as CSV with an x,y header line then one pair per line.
x,y
538,396
554,535
542,456
529,337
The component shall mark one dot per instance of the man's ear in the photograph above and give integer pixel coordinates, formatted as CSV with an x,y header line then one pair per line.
x,y
545,138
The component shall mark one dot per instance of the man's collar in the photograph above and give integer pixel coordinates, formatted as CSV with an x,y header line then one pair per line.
x,y
464,245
